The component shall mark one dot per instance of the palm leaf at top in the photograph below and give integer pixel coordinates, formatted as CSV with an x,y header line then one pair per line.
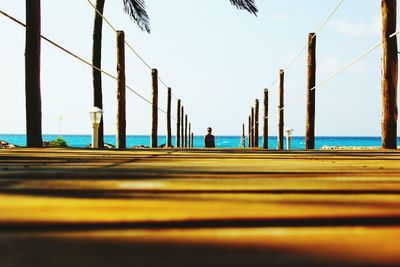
x,y
248,5
136,9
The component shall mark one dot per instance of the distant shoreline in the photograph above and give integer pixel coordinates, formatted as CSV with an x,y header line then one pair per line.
x,y
297,142
350,147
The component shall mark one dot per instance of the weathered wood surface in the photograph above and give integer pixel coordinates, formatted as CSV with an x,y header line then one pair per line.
x,y
265,120
169,131
154,113
199,207
390,69
310,92
121,91
256,122
280,110
178,124
33,98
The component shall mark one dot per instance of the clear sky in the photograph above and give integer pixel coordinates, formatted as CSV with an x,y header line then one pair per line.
x,y
216,58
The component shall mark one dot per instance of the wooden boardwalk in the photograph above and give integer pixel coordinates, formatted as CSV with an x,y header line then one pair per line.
x,y
71,207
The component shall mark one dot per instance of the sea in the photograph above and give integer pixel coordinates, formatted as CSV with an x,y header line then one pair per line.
x,y
297,142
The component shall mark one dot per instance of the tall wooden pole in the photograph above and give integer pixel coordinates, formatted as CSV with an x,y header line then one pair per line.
x,y
121,94
169,134
178,124
389,74
280,110
186,130
189,134
33,100
249,133
252,127
242,140
256,122
311,74
265,119
154,127
96,62
182,127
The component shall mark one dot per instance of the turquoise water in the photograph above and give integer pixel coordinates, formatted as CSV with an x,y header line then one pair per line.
x,y
221,141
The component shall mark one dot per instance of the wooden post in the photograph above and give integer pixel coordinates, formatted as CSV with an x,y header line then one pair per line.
x,y
169,135
389,74
178,124
265,119
256,122
121,99
192,142
154,127
311,69
249,133
33,100
242,140
186,130
280,110
189,134
252,128
182,127
96,62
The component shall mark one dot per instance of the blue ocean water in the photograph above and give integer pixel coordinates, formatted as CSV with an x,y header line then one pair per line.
x,y
221,141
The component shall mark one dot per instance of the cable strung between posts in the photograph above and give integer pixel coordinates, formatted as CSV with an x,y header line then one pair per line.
x,y
334,75
128,45
81,59
345,67
322,26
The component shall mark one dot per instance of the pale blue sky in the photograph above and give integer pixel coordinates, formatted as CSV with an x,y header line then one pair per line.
x,y
216,58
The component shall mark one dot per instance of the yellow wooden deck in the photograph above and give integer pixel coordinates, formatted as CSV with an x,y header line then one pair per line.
x,y
168,207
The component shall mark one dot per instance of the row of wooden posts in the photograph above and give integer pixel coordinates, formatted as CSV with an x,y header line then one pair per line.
x,y
184,134
253,126
389,91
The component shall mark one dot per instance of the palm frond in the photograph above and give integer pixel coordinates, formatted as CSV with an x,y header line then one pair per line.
x,y
248,5
136,9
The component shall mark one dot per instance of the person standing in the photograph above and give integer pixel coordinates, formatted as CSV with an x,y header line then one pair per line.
x,y
209,140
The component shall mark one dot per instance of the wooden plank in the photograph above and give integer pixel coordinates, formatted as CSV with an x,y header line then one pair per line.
x,y
153,199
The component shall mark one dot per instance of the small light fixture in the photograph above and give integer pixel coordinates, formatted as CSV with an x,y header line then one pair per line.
x,y
95,116
289,132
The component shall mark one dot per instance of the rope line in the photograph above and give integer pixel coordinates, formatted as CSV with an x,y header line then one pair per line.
x,y
297,56
82,60
337,73
334,75
345,67
128,45
101,15
137,54
320,28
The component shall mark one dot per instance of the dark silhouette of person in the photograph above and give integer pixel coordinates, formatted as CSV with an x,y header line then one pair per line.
x,y
209,140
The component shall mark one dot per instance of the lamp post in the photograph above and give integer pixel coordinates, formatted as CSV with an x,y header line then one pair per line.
x,y
95,116
288,137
